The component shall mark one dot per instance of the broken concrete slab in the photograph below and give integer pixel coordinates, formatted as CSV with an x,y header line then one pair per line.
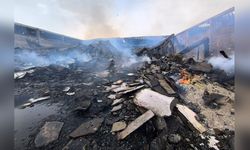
x,y
116,108
117,101
48,133
160,104
190,116
118,126
135,124
86,128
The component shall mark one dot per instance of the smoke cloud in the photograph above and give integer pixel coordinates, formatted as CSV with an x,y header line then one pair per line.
x,y
223,63
88,19
27,59
128,57
96,52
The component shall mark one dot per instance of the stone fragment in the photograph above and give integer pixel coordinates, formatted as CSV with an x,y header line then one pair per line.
x,y
86,128
83,106
48,133
118,126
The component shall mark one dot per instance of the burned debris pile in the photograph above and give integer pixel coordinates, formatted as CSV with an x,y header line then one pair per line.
x,y
169,83
168,103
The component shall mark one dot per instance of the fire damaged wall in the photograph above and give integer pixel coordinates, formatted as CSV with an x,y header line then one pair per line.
x,y
208,38
31,37
212,38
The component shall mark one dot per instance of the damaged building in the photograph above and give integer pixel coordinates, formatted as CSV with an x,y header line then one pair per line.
x,y
150,93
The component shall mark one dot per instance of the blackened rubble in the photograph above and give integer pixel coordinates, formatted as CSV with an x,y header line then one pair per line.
x,y
172,102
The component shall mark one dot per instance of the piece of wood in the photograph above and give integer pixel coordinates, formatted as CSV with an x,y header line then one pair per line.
x,y
135,124
190,117
132,89
116,108
123,87
117,101
160,104
166,87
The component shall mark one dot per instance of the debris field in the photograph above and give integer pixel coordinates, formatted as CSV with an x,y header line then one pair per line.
x,y
171,102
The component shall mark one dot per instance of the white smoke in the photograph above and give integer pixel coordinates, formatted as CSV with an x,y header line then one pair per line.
x,y
27,59
128,58
220,62
133,59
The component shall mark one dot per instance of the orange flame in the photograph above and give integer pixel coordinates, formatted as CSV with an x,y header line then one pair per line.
x,y
185,77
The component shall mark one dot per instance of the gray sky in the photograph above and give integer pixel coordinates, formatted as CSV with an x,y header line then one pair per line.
x,y
88,19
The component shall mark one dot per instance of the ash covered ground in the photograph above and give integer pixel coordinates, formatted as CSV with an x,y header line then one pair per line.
x,y
71,98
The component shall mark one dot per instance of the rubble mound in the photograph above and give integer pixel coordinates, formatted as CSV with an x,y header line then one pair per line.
x,y
115,112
